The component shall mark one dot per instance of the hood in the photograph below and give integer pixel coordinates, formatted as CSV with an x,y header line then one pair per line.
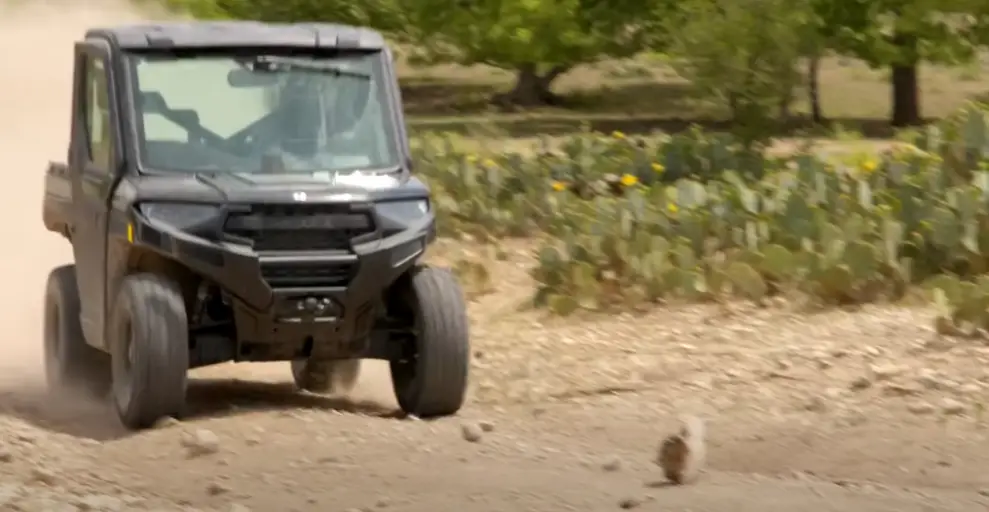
x,y
228,187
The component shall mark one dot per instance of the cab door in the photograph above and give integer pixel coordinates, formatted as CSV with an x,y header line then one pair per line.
x,y
94,157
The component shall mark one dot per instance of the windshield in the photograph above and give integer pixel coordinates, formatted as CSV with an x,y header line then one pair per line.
x,y
264,113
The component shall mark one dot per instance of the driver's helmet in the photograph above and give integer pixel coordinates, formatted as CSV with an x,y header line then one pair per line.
x,y
300,114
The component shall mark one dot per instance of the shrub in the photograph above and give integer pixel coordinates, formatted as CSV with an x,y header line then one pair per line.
x,y
696,217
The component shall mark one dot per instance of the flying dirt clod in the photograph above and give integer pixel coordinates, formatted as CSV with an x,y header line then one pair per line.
x,y
681,455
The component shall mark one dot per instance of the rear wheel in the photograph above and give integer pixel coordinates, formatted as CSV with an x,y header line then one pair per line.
x,y
70,363
431,379
335,376
150,350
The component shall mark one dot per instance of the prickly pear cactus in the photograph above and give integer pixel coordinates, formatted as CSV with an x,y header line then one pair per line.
x,y
692,216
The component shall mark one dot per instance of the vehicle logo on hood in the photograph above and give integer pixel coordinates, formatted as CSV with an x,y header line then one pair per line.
x,y
299,196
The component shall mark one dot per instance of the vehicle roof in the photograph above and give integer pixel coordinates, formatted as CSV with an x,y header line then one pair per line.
x,y
238,34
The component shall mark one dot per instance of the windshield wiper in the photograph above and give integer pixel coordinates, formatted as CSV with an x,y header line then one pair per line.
x,y
307,65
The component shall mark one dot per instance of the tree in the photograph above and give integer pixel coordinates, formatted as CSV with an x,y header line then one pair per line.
x,y
901,34
383,15
818,41
742,53
538,39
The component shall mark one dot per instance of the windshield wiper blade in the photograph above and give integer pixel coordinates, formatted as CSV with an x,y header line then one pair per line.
x,y
309,65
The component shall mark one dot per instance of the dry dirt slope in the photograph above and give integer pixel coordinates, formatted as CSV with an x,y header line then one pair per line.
x,y
576,410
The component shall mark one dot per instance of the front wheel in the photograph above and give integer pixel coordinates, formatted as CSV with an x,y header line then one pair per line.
x,y
149,350
431,379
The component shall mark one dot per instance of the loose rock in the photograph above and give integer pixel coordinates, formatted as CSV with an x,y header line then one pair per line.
x,y
894,389
682,455
921,408
471,432
853,417
629,503
98,502
860,383
933,380
200,442
43,475
816,404
611,465
941,343
217,488
885,372
953,407
166,422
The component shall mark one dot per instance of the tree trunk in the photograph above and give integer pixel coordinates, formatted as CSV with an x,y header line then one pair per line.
x,y
531,88
814,90
786,100
905,89
906,95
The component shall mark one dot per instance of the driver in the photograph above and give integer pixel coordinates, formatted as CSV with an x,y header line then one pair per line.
x,y
300,123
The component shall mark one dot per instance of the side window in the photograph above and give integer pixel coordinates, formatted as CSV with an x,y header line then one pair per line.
x,y
97,111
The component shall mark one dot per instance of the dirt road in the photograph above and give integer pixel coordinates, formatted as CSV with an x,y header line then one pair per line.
x,y
864,410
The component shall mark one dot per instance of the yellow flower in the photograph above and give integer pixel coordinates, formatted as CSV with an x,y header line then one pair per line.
x,y
488,162
658,167
559,186
672,207
628,180
869,165
618,135
471,159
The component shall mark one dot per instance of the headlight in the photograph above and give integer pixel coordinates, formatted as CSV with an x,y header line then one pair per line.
x,y
368,181
403,211
202,220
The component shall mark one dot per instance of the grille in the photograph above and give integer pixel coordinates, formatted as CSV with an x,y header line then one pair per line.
x,y
273,227
281,275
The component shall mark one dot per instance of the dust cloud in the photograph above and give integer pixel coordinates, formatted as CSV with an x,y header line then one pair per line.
x,y
36,45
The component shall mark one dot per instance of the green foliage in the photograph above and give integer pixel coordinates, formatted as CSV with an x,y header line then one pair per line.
x,y
381,14
541,39
841,231
742,53
512,33
962,306
510,194
503,33
905,32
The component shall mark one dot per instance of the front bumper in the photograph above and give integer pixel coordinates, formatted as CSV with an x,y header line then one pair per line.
x,y
334,320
